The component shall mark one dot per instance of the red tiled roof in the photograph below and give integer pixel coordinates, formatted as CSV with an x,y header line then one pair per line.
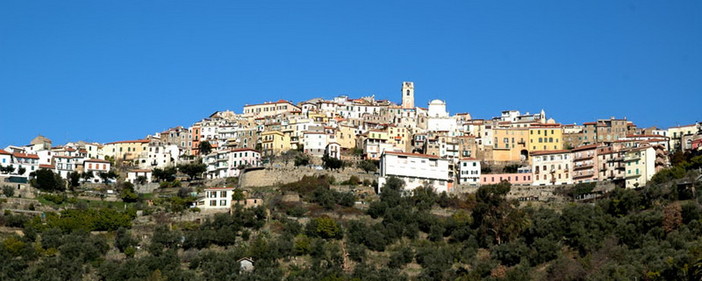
x,y
585,147
218,188
546,152
469,158
129,141
412,154
243,149
5,152
46,166
590,123
24,155
97,161
645,136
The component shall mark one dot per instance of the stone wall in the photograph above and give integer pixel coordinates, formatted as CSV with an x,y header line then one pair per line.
x,y
273,176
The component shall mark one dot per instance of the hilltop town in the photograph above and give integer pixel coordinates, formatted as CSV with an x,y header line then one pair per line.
x,y
417,144
358,189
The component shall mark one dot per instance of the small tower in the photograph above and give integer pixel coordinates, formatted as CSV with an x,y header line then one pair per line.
x,y
407,95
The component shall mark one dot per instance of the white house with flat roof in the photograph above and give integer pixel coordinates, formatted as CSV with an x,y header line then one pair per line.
x,y
416,170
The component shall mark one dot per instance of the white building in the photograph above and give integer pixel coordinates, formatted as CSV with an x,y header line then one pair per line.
x,y
227,163
65,165
315,143
133,175
551,167
640,166
416,170
215,199
334,150
96,166
438,118
469,171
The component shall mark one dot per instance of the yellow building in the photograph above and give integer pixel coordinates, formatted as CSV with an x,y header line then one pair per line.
x,y
126,150
510,144
400,137
544,137
269,109
346,136
274,142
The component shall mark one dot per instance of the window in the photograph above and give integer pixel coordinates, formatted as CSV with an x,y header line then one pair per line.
x,y
223,202
213,203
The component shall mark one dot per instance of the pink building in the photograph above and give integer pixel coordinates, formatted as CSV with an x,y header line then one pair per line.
x,y
513,178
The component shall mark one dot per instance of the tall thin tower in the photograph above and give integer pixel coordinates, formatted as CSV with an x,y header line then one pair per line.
x,y
407,95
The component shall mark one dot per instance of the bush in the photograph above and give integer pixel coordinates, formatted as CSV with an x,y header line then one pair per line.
x,y
9,191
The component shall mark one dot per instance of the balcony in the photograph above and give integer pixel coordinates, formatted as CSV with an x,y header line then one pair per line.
x,y
582,176
582,167
616,159
631,176
584,157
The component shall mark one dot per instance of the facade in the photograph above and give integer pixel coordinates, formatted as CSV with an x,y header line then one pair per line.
x,y
545,137
274,142
223,164
551,167
469,171
407,95
95,167
215,199
269,109
315,143
513,178
130,150
585,164
416,170
133,175
640,166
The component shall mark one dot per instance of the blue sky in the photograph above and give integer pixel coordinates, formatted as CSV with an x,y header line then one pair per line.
x,y
106,71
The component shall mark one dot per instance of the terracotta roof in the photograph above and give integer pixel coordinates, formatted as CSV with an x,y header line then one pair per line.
x,y
130,141
46,166
585,147
140,171
97,160
539,125
243,149
219,188
590,123
469,158
546,152
63,156
24,155
5,152
645,136
412,154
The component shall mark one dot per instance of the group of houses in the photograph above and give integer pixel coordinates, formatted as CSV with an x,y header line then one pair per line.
x,y
421,145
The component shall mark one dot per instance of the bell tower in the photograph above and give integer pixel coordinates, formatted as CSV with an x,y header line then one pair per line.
x,y
407,95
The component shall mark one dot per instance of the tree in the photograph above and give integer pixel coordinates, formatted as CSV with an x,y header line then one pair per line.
x,y
21,171
87,175
9,191
324,227
74,179
205,147
368,165
46,180
127,193
7,169
301,160
331,162
193,170
106,176
141,180
166,174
